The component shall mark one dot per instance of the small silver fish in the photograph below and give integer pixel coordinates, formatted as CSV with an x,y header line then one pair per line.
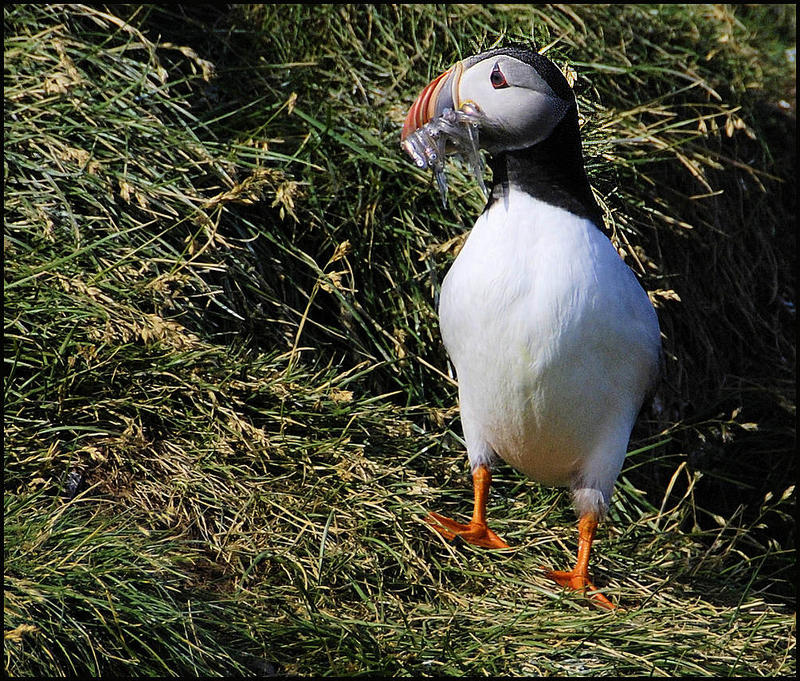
x,y
427,146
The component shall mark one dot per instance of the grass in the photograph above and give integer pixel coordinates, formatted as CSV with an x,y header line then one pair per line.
x,y
227,407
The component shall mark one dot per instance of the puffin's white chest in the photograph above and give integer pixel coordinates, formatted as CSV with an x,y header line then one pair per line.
x,y
553,340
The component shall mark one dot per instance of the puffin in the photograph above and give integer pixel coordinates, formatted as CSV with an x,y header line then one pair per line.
x,y
554,342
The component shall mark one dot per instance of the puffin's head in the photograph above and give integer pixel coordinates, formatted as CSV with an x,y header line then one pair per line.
x,y
515,97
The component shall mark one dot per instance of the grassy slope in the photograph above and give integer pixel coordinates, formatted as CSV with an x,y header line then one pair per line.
x,y
226,404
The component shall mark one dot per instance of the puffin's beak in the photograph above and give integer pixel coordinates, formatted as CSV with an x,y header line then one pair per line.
x,y
440,94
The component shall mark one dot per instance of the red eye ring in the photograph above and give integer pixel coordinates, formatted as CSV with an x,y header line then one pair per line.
x,y
497,79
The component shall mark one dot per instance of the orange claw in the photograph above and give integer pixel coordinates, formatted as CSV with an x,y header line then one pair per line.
x,y
476,531
578,577
472,532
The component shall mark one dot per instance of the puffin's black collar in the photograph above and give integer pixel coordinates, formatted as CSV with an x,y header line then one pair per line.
x,y
551,171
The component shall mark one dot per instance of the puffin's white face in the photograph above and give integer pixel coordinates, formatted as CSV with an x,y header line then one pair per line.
x,y
515,106
516,97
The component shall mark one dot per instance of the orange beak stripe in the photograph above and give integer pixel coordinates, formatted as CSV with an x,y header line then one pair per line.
x,y
421,110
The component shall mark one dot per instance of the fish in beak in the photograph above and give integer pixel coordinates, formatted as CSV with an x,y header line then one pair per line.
x,y
439,122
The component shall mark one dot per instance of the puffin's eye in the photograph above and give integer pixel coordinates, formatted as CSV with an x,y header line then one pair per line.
x,y
497,78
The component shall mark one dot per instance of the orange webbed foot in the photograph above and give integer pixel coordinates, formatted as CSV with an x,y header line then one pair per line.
x,y
578,577
578,581
475,533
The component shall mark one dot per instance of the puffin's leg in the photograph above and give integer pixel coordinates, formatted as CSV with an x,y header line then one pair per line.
x,y
578,577
476,531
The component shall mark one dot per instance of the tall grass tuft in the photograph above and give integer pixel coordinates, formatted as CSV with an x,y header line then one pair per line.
x,y
227,408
